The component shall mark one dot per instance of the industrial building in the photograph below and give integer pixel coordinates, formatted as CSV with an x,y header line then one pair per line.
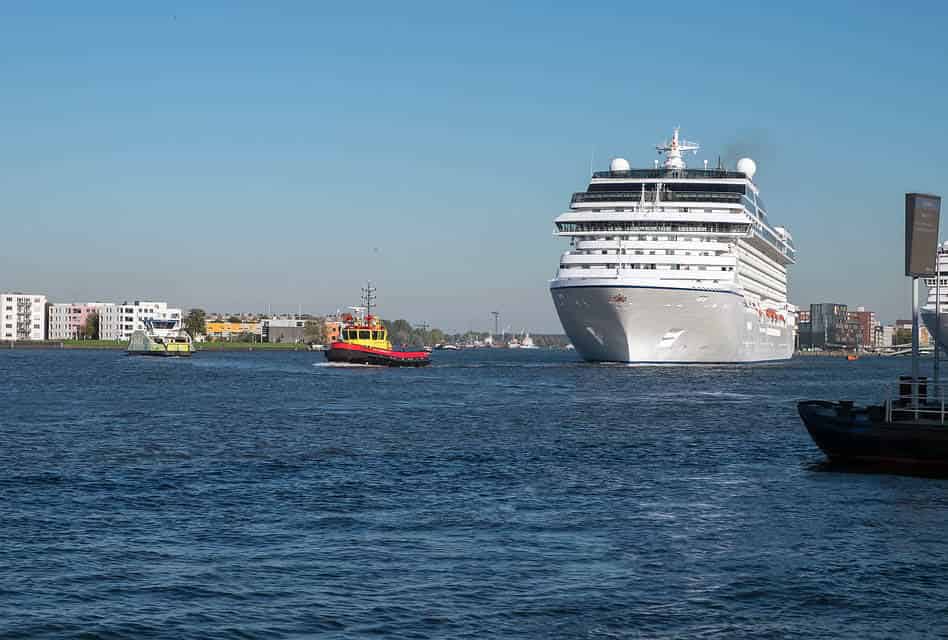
x,y
282,329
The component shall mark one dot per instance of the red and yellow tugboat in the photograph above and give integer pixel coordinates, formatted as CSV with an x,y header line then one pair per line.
x,y
364,340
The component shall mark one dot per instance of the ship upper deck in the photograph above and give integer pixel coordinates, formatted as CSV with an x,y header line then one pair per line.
x,y
672,174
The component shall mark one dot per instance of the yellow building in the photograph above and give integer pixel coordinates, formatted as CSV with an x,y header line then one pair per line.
x,y
228,330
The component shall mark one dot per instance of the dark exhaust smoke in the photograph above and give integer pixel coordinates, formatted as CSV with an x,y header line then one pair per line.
x,y
749,143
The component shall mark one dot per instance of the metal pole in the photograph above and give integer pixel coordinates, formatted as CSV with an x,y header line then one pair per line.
x,y
914,342
937,325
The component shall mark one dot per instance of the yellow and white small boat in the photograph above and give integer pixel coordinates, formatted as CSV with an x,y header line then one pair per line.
x,y
162,338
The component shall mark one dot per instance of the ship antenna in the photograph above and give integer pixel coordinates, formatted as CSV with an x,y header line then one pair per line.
x,y
674,149
368,298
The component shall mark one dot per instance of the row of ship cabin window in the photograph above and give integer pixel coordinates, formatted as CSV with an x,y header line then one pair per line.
x,y
641,252
657,238
362,334
672,267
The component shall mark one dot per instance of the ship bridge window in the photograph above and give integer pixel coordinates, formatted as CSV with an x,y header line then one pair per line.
x,y
364,335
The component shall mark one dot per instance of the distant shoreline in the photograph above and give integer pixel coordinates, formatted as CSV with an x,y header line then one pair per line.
x,y
117,345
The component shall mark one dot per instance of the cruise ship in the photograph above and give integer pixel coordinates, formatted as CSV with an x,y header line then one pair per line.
x,y
938,296
674,265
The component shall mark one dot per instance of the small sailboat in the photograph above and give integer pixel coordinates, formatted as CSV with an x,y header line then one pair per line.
x,y
527,342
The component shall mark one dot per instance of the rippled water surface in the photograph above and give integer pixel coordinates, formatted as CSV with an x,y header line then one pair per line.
x,y
494,494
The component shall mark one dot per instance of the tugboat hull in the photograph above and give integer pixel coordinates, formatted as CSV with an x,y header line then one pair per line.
x,y
861,434
357,354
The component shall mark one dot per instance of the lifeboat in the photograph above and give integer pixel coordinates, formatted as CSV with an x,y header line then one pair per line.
x,y
365,341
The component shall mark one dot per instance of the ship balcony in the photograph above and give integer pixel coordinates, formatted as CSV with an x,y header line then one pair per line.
x,y
655,276
673,174
654,245
633,197
694,263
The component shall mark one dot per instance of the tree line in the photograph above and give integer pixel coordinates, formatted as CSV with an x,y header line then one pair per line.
x,y
400,332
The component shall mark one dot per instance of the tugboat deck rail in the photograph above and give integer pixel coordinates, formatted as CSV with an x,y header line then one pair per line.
x,y
918,401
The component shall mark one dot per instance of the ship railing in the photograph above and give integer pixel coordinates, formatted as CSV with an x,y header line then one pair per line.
x,y
918,400
665,196
671,173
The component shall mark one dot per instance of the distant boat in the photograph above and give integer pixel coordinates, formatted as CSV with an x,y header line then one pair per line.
x,y
527,342
449,347
161,338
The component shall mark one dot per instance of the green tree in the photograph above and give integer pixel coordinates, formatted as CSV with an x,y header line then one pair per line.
x,y
234,319
314,331
195,322
399,331
90,329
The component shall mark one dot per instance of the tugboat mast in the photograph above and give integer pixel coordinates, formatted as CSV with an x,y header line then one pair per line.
x,y
368,299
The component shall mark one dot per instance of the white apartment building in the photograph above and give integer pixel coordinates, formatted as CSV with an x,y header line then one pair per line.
x,y
22,316
108,321
132,316
67,320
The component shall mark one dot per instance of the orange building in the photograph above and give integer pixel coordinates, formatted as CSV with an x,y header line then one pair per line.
x,y
333,329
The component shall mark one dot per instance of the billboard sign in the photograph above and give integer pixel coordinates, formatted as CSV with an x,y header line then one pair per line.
x,y
921,233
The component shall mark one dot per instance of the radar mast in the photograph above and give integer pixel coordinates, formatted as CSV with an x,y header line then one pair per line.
x,y
368,299
673,150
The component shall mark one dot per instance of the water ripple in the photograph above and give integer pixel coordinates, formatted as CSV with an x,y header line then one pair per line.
x,y
266,495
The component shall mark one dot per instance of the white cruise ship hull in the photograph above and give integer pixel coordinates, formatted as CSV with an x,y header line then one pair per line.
x,y
928,319
640,324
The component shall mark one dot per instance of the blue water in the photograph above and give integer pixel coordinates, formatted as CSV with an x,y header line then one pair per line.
x,y
495,494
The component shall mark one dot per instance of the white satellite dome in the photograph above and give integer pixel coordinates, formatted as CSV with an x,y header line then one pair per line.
x,y
747,166
619,164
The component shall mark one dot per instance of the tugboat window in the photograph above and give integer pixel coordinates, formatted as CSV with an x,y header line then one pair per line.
x,y
364,335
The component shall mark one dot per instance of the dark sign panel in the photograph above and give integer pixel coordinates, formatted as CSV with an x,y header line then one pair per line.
x,y
921,233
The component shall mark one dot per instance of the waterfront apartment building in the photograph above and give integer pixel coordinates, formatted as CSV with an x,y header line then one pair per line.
x,y
903,333
803,329
829,326
888,335
132,316
67,321
219,330
867,323
22,316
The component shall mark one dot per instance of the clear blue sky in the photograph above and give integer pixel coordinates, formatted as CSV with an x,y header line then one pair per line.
x,y
233,156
